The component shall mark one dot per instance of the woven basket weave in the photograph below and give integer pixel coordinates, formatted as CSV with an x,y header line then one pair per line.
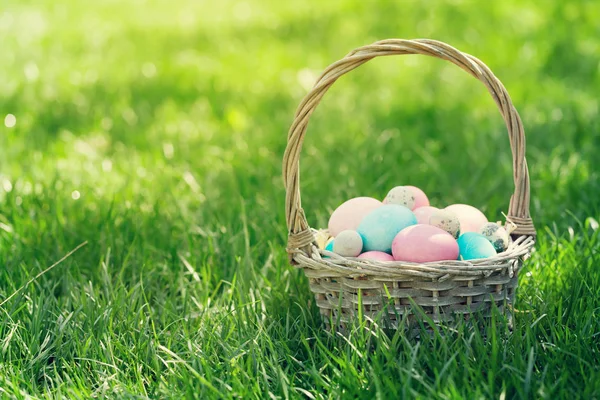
x,y
388,291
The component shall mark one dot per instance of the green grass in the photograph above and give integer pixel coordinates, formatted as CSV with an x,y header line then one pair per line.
x,y
154,132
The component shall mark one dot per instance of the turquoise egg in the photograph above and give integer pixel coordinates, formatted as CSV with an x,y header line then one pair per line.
x,y
329,246
379,228
472,246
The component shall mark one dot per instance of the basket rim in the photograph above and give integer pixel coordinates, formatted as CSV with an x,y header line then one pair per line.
x,y
510,259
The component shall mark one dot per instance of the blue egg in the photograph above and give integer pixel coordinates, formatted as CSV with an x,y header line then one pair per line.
x,y
379,228
329,246
472,246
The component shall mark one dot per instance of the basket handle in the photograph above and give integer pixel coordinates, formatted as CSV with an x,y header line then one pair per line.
x,y
300,236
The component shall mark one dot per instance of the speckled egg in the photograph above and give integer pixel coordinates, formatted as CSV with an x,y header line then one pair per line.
x,y
471,219
424,243
421,199
377,256
447,221
473,245
348,243
402,196
423,213
379,228
350,213
497,236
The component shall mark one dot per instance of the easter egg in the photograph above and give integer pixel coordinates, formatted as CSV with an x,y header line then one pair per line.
x,y
348,243
402,196
471,219
329,245
377,256
423,214
350,213
447,221
321,237
473,245
421,199
424,243
496,234
379,228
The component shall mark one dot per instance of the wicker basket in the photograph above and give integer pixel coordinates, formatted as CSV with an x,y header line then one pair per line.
x,y
445,291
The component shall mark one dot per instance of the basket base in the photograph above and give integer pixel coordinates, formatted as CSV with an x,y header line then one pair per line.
x,y
411,305
416,323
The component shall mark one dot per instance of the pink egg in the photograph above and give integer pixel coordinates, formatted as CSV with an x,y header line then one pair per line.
x,y
350,213
376,255
471,219
421,199
423,214
424,243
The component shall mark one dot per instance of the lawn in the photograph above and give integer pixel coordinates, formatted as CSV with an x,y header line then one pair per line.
x,y
153,131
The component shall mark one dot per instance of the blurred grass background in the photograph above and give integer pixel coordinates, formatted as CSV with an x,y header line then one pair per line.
x,y
154,130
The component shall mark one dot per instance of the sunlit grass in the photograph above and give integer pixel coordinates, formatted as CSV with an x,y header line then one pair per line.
x,y
155,133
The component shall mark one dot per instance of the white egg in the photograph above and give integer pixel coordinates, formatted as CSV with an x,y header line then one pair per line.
x,y
400,195
348,243
447,221
496,234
